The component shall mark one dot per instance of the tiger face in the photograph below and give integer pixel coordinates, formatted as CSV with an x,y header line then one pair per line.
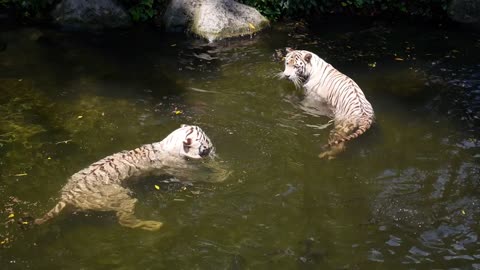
x,y
188,142
297,66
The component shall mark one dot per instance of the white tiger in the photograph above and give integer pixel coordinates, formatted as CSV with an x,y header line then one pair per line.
x,y
99,186
352,112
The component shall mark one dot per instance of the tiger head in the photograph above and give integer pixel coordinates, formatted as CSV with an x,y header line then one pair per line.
x,y
189,142
297,66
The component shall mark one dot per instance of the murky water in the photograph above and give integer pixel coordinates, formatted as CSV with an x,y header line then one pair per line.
x,y
403,196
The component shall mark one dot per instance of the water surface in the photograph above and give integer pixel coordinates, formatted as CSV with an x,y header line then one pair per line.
x,y
403,196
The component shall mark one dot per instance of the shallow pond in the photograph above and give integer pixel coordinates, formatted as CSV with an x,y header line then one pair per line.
x,y
403,196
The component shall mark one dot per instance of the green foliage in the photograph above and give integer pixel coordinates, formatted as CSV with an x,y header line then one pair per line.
x,y
275,9
27,8
142,10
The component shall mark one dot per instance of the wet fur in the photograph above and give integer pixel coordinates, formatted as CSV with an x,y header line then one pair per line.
x,y
99,186
353,113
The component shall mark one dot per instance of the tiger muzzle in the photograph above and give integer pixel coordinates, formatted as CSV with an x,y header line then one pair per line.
x,y
205,152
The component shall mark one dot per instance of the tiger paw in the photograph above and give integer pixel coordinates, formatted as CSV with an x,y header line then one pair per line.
x,y
151,225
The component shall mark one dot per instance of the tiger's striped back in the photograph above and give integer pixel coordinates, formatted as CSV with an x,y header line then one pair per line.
x,y
323,82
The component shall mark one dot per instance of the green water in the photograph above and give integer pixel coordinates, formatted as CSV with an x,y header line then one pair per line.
x,y
403,196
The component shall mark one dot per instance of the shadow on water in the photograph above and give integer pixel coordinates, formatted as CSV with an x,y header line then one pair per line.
x,y
404,195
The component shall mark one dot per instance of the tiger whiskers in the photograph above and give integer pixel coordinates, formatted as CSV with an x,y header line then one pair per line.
x,y
279,75
297,81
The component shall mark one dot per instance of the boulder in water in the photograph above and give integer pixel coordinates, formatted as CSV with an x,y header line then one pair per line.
x,y
213,19
465,11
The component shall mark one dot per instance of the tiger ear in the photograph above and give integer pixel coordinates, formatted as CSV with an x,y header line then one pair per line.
x,y
289,50
187,142
183,125
308,57
186,145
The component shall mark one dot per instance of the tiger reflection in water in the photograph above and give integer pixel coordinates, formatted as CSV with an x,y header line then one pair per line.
x,y
99,187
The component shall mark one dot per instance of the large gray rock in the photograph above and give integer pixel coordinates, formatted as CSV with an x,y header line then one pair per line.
x,y
213,19
465,11
90,14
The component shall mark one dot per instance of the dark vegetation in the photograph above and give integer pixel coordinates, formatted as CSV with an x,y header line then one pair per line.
x,y
148,10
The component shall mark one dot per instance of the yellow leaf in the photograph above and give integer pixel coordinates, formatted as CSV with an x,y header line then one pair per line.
x,y
20,174
49,158
177,112
398,59
251,26
157,187
25,222
374,64
463,211
80,117
11,216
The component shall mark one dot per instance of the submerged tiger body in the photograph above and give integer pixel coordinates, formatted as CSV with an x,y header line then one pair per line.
x,y
99,187
352,112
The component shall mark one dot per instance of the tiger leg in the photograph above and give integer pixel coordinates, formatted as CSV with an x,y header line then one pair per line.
x,y
128,219
52,213
333,151
341,130
117,199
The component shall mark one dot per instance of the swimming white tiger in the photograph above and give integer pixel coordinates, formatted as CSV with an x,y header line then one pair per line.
x,y
352,113
100,187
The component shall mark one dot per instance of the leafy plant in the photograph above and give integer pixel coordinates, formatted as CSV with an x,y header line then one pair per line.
x,y
143,11
275,9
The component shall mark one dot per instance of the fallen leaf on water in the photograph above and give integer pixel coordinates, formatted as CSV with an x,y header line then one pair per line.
x,y
179,200
157,187
374,64
398,59
251,26
25,222
11,216
173,45
177,112
80,117
463,211
20,174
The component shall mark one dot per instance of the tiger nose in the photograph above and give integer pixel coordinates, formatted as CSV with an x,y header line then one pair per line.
x,y
287,76
205,152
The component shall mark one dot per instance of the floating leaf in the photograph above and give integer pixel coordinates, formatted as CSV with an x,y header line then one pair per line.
x,y
20,174
173,45
177,112
179,200
374,64
11,215
251,26
49,158
80,117
25,222
463,212
398,59
157,187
